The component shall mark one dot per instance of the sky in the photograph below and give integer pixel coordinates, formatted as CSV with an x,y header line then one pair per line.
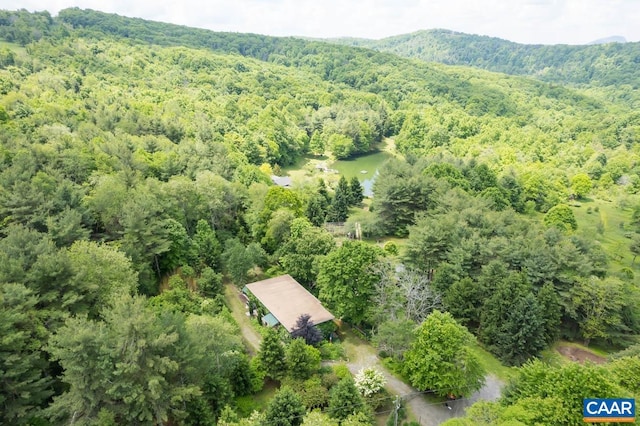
x,y
522,21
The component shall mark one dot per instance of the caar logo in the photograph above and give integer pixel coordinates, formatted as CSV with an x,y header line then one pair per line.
x,y
609,410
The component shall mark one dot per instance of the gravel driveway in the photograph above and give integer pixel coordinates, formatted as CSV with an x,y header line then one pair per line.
x,y
426,412
362,355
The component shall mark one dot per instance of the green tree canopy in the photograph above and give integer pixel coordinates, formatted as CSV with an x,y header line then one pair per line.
x,y
272,355
344,400
347,281
581,185
302,360
132,365
440,358
285,409
26,384
562,217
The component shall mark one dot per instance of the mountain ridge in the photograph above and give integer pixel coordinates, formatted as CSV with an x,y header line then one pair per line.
x,y
611,64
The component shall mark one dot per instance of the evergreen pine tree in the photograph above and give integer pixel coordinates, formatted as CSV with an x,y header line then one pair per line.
x,y
356,190
285,409
345,399
302,360
339,209
322,190
271,355
316,210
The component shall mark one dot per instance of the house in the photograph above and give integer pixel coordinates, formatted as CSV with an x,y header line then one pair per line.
x,y
285,300
283,181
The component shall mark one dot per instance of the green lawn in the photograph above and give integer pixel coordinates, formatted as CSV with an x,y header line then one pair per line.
x,y
608,223
12,46
491,364
247,404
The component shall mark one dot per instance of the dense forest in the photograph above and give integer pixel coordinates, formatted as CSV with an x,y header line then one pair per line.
x,y
610,64
135,188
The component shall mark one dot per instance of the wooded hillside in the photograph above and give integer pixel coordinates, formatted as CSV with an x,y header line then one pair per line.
x,y
611,64
135,179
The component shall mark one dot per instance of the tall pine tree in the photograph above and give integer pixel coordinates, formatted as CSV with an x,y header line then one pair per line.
x,y
356,190
271,355
285,409
339,209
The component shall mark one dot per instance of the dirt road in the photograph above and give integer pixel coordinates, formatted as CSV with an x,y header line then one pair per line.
x,y
238,310
362,355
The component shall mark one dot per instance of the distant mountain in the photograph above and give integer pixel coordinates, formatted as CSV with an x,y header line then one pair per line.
x,y
611,64
612,39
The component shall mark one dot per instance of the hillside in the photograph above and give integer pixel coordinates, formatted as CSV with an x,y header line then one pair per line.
x,y
611,64
507,109
136,164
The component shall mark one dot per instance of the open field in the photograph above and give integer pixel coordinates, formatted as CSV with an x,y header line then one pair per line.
x,y
608,223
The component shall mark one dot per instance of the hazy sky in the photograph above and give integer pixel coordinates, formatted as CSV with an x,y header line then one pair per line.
x,y
523,21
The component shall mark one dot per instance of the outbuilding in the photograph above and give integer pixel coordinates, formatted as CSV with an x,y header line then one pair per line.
x,y
286,300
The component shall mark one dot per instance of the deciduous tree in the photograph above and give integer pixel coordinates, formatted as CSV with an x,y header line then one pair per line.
x,y
394,338
306,330
440,358
301,256
347,281
581,184
562,217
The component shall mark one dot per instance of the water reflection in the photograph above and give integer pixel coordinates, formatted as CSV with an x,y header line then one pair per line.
x,y
367,184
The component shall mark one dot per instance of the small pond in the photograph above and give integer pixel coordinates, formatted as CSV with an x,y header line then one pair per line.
x,y
369,163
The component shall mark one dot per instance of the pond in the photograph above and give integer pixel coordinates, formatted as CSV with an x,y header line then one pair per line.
x,y
365,167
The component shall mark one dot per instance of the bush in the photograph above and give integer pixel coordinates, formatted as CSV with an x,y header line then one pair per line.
x,y
329,379
369,381
327,328
379,400
314,394
257,374
391,248
395,366
341,371
332,351
245,405
292,382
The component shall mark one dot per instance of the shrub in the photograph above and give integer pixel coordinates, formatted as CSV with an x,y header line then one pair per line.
x,y
369,381
391,248
342,371
332,351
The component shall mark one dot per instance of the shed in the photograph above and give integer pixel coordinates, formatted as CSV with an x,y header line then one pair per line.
x,y
286,300
283,181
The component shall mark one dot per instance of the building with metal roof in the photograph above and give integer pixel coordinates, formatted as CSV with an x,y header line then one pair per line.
x,y
286,300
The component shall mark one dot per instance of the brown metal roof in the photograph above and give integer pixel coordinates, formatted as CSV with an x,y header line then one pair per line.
x,y
286,299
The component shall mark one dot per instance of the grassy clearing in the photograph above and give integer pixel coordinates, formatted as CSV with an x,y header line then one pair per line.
x,y
552,357
353,345
247,404
491,364
12,46
608,223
